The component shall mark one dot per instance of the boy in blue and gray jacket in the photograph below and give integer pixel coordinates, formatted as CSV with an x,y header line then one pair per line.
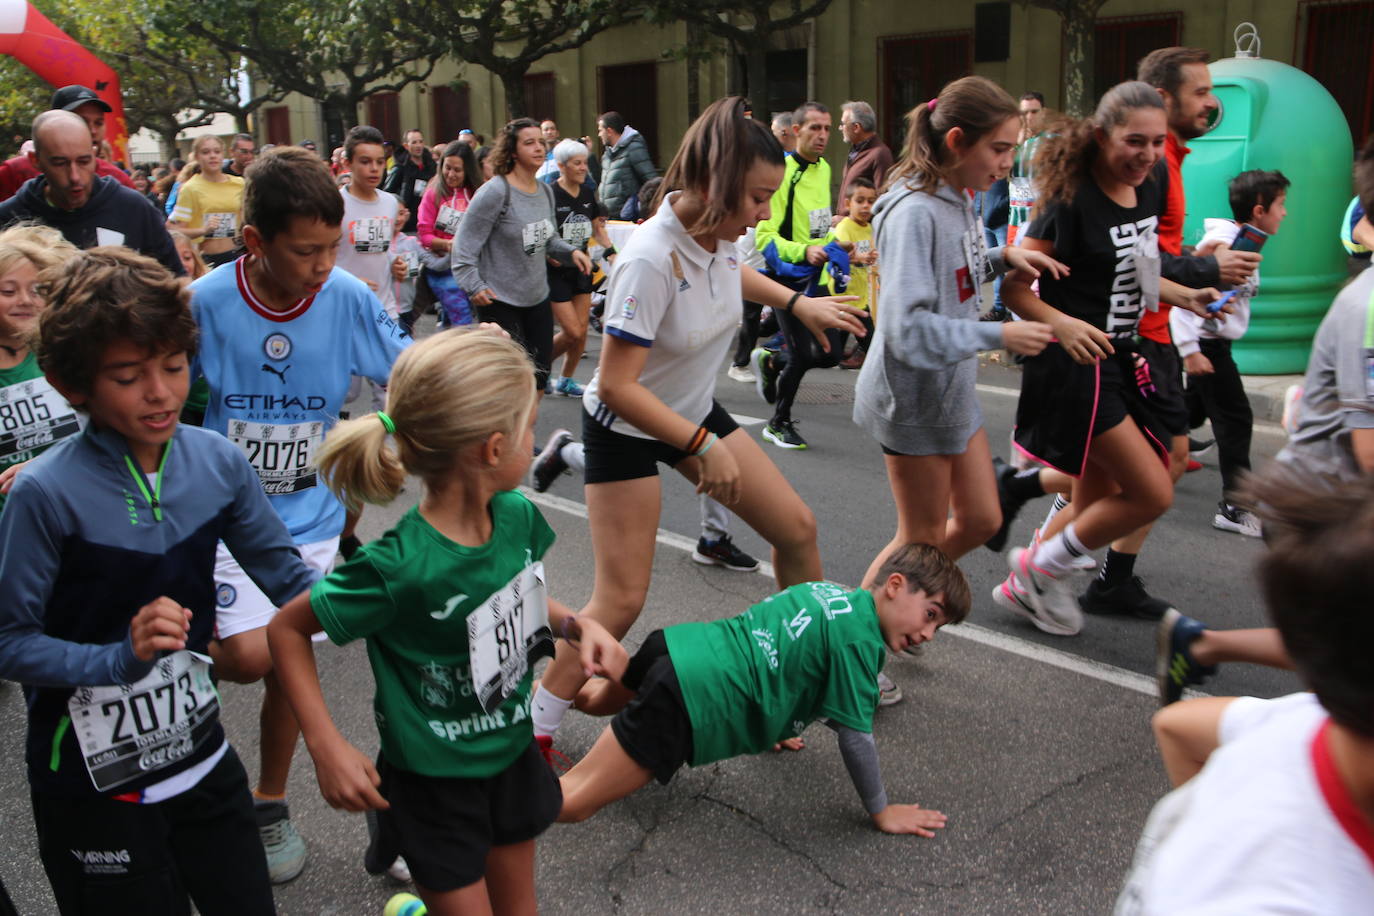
x,y
107,551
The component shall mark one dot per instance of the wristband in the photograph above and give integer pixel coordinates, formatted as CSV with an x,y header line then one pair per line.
x,y
707,447
791,302
698,440
563,630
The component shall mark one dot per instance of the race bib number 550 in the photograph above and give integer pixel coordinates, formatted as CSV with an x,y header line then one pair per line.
x,y
508,634
127,731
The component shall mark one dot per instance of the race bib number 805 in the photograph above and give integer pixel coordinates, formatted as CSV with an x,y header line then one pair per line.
x,y
32,416
508,634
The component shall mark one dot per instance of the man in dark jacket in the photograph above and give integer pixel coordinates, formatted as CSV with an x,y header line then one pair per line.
x,y
412,169
92,109
88,209
869,157
625,165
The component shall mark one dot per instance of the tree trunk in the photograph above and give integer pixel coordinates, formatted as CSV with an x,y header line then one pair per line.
x,y
513,81
241,121
167,144
693,72
756,58
1079,19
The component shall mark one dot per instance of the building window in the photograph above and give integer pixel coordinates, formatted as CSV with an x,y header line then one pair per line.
x,y
631,90
1335,50
384,113
278,120
539,96
452,112
1120,43
914,69
787,70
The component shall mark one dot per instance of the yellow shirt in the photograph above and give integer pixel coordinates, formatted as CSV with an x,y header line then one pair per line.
x,y
212,204
862,238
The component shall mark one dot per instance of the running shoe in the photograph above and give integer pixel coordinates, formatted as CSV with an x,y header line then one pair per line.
x,y
765,377
1085,563
284,847
1292,400
544,470
568,388
1055,607
1193,465
1011,506
557,760
1129,599
741,374
723,552
1175,667
1233,518
996,313
889,693
854,360
783,434
1200,448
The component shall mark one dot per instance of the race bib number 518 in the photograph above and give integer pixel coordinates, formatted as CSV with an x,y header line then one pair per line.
x,y
508,634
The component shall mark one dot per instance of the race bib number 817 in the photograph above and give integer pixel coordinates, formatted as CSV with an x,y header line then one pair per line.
x,y
507,634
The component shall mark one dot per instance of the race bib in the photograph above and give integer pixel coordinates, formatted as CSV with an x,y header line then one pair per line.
x,y
412,259
221,225
1145,256
577,229
33,415
863,247
820,222
419,187
970,277
535,236
1021,192
283,454
371,235
447,220
128,731
507,634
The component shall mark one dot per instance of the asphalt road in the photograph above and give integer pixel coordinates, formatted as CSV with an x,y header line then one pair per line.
x,y
1037,747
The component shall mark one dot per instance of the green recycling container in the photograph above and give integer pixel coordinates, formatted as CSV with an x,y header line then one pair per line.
x,y
1274,116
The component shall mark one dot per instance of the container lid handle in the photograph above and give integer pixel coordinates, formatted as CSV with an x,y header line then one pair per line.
x,y
1247,40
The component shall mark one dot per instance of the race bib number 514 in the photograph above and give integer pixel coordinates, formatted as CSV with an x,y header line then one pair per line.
x,y
508,634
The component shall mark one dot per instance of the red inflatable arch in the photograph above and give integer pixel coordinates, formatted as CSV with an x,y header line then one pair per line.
x,y
30,38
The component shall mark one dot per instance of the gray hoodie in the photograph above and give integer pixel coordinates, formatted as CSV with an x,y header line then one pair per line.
x,y
502,247
916,392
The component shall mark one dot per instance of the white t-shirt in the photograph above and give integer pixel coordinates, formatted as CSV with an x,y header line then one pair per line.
x,y
1266,827
681,301
365,249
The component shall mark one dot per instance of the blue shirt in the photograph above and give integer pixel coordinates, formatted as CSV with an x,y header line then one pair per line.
x,y
279,379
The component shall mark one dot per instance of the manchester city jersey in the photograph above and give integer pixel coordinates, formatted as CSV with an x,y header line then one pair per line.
x,y
279,379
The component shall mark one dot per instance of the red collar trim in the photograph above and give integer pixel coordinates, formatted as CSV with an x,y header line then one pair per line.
x,y
1337,796
256,304
1174,148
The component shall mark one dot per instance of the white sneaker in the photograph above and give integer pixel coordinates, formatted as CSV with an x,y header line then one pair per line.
x,y
888,691
398,871
740,374
1241,521
1054,605
1292,398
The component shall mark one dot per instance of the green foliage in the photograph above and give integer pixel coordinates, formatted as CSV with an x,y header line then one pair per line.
x,y
23,97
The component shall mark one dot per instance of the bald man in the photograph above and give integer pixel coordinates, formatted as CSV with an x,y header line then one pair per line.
x,y
87,208
92,108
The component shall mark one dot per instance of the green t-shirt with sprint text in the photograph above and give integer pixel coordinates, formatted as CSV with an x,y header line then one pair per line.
x,y
813,651
33,416
409,594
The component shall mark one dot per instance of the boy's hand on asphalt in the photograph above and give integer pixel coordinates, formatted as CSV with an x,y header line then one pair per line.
x,y
905,819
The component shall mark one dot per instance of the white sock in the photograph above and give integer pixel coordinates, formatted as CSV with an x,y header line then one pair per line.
x,y
573,454
546,710
1056,555
1060,504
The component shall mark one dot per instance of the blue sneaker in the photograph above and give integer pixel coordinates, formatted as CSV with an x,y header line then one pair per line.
x,y
1175,667
283,845
568,388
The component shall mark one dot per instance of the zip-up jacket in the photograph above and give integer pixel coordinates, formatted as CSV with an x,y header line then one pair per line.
x,y
86,540
810,217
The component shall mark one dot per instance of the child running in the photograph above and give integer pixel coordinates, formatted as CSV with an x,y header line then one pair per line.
x,y
33,414
916,392
453,606
1088,406
107,552
442,208
207,206
701,692
856,229
675,298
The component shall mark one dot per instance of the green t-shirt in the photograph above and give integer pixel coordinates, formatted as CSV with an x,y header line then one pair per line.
x,y
1021,191
33,416
812,651
409,594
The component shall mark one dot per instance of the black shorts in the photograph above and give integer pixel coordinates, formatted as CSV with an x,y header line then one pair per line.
x,y
613,456
1065,404
566,282
106,856
1168,401
445,827
653,728
529,326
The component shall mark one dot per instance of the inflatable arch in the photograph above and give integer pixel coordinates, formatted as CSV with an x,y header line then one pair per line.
x,y
30,38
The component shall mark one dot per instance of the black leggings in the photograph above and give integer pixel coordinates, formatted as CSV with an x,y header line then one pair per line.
x,y
529,326
803,353
748,332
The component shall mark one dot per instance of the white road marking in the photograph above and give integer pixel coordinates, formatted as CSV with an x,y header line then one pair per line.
x,y
743,419
1067,661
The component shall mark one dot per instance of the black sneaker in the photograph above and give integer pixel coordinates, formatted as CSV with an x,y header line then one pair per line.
x,y
765,376
996,313
1175,667
783,434
1011,506
349,546
1129,599
1200,448
546,468
723,552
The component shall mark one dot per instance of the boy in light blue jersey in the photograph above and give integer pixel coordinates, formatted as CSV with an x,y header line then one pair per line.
x,y
283,331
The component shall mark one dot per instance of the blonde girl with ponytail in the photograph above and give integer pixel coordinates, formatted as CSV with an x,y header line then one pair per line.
x,y
452,604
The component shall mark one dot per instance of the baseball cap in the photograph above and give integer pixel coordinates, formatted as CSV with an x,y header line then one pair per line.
x,y
70,98
308,144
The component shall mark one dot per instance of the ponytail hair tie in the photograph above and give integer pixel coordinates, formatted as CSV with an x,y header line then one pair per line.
x,y
930,106
386,422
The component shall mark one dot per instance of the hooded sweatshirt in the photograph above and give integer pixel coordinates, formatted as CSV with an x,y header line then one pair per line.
x,y
113,215
916,392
